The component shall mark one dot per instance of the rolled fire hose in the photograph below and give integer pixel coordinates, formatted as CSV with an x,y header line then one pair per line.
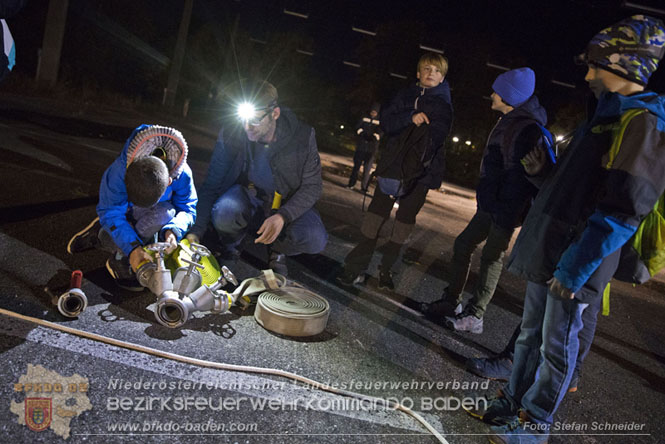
x,y
284,307
228,367
292,311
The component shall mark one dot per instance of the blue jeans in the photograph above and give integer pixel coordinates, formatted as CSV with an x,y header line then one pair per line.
x,y
553,333
238,211
586,335
550,327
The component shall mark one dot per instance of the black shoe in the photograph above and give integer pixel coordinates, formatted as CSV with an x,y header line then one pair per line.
x,y
277,263
386,281
86,239
495,411
441,308
350,278
122,273
410,256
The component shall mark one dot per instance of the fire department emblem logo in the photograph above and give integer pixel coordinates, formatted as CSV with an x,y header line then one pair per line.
x,y
38,413
49,400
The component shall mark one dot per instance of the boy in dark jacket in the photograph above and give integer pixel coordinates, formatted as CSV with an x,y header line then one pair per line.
x,y
416,122
585,211
369,134
503,194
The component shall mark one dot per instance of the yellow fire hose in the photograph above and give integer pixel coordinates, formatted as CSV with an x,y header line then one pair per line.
x,y
221,366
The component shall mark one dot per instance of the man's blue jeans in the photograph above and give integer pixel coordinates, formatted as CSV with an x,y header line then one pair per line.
x,y
237,212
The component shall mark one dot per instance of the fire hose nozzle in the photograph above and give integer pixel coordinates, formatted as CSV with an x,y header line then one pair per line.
x,y
72,302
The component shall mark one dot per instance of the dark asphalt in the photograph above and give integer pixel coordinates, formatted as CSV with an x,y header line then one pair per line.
x,y
53,156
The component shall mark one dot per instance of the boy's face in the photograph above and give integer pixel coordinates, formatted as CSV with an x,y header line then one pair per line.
x,y
498,103
429,75
600,81
597,80
373,114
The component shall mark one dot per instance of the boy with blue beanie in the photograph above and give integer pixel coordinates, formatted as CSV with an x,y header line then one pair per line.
x,y
503,194
586,210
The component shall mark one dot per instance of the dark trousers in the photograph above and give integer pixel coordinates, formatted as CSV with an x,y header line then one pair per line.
x,y
366,159
480,228
379,209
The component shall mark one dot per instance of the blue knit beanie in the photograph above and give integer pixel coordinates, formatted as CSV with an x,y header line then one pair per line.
x,y
516,86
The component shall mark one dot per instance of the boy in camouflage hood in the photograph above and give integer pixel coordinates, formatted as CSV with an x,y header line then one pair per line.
x,y
585,212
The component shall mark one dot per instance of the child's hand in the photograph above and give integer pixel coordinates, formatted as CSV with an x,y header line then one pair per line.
x,y
193,238
534,161
171,239
420,118
137,257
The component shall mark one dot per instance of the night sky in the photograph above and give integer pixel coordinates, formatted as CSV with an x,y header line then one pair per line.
x,y
305,57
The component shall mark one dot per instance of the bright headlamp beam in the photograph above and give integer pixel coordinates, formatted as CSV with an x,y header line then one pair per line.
x,y
246,111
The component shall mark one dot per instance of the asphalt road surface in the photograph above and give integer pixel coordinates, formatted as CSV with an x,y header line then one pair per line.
x,y
375,342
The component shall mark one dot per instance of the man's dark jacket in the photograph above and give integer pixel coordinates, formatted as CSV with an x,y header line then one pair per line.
x,y
294,161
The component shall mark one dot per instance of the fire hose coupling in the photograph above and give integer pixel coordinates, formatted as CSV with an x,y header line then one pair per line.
x,y
72,302
174,310
154,275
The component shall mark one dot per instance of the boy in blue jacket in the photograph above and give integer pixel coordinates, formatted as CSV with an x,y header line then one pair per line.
x,y
146,195
586,210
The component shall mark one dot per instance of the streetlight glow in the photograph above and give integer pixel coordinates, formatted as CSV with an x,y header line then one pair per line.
x,y
455,139
468,142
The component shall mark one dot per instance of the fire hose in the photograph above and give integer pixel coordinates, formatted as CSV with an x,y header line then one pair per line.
x,y
228,367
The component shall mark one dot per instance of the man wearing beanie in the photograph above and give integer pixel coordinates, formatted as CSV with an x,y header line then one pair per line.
x,y
369,133
503,195
586,210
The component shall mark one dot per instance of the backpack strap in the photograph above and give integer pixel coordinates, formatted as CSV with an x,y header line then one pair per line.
x,y
510,137
618,132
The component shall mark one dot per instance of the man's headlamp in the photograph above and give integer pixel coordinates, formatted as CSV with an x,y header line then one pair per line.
x,y
247,112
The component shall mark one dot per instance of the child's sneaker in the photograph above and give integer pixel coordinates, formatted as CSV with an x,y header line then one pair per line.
x,y
349,278
495,411
386,280
86,239
520,430
465,321
441,308
122,273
